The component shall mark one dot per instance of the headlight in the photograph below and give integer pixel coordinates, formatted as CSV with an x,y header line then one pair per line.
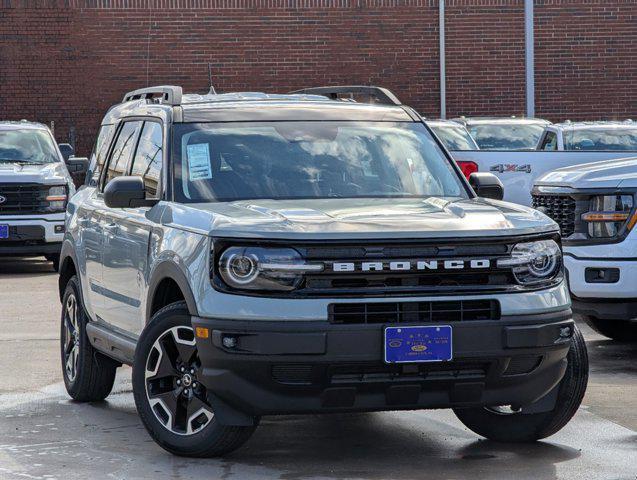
x,y
257,268
608,215
57,197
534,262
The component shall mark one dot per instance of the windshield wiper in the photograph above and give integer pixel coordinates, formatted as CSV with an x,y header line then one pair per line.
x,y
20,160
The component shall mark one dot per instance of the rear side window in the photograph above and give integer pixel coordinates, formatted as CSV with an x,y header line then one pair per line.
x,y
123,150
98,157
148,158
549,142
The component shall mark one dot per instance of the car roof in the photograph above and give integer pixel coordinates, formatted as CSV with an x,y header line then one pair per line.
x,y
21,125
258,106
502,120
597,125
444,123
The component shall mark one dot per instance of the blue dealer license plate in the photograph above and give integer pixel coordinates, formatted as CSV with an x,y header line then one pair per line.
x,y
418,344
4,231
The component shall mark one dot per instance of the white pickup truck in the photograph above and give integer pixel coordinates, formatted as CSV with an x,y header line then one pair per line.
x,y
573,144
596,207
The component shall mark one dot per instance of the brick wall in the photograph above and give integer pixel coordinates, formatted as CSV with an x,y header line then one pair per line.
x,y
67,61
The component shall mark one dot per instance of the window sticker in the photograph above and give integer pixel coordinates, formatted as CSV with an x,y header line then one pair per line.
x,y
199,162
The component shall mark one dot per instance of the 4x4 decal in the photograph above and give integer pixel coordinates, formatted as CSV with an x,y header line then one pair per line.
x,y
510,167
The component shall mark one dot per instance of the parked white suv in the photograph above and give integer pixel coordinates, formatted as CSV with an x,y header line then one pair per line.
x,y
35,186
590,136
595,205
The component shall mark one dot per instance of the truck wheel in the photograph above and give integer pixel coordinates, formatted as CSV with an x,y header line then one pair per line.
x,y
88,374
620,330
171,399
503,424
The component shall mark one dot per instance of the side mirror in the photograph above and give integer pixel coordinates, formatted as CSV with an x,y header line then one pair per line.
x,y
77,167
127,192
67,150
487,185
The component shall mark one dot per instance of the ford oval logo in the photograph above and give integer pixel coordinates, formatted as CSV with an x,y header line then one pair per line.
x,y
2,199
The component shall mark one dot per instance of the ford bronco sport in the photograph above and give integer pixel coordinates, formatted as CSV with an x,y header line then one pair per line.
x,y
253,254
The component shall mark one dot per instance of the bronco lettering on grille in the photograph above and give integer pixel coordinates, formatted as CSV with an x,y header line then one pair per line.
x,y
410,265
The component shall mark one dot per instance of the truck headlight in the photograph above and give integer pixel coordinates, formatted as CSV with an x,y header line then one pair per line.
x,y
534,262
57,197
257,268
608,215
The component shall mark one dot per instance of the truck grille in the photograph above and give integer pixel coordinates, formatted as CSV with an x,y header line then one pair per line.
x,y
409,312
23,199
560,208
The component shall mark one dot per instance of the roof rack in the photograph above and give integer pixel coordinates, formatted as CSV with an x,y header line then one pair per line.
x,y
382,95
170,94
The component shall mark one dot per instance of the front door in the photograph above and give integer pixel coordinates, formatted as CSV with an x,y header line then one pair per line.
x,y
127,238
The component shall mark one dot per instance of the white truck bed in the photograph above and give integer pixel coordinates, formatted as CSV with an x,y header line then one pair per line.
x,y
519,170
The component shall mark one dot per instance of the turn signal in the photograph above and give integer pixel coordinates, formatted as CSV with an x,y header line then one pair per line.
x,y
202,332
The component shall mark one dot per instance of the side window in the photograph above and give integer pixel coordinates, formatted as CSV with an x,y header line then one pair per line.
x,y
98,157
122,150
148,158
549,142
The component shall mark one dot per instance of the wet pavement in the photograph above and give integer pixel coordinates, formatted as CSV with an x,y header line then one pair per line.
x,y
44,435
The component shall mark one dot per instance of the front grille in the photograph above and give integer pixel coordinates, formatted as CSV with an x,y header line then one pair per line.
x,y
23,199
376,373
560,208
414,281
414,312
381,373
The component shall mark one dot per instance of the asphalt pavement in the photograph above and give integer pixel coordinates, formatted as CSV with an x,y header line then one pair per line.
x,y
44,435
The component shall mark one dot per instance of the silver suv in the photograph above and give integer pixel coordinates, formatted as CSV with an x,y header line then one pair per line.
x,y
252,254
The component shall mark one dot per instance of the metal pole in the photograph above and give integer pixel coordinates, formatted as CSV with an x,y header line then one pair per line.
x,y
443,67
529,58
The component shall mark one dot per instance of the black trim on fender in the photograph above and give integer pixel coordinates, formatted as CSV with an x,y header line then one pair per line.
x,y
170,270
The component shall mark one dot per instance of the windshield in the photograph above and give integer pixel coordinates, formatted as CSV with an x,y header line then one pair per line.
x,y
506,136
601,139
27,145
287,160
454,137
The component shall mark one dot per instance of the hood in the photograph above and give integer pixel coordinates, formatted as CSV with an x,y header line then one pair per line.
x,y
47,174
360,218
605,174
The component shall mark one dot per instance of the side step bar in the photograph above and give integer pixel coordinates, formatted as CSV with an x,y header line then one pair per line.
x,y
115,345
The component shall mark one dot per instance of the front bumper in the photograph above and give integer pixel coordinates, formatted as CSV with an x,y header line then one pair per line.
x,y
41,235
312,367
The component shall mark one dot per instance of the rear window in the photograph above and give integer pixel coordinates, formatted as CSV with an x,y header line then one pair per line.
x,y
506,136
601,139
454,137
27,145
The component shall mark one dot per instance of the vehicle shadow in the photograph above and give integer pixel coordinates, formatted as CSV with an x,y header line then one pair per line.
x,y
609,357
27,267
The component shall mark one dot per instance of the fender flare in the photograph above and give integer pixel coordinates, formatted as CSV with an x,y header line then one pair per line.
x,y
169,270
68,252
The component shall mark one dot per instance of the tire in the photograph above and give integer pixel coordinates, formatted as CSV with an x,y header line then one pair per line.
x,y
496,424
88,374
55,258
620,330
171,401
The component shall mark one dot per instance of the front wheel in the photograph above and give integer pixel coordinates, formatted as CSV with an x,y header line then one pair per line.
x,y
170,395
620,330
504,424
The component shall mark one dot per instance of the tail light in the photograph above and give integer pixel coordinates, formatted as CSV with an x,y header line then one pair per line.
x,y
468,168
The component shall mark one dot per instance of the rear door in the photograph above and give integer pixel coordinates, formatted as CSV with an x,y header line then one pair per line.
x,y
126,249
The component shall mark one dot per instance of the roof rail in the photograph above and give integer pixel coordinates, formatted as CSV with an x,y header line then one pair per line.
x,y
170,94
382,95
